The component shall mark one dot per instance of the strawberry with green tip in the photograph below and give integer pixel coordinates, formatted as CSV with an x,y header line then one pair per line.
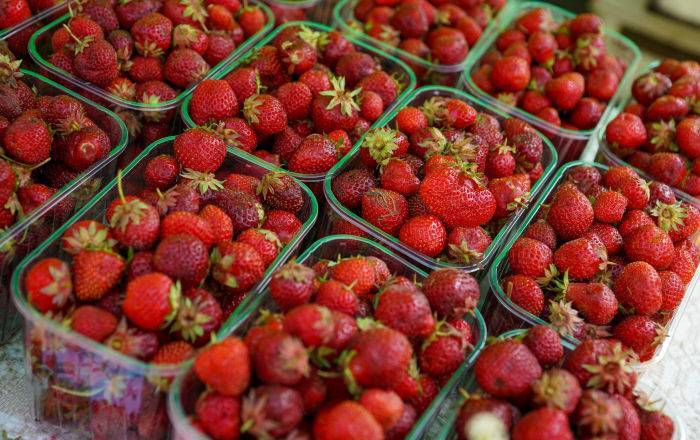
x,y
152,301
236,266
48,284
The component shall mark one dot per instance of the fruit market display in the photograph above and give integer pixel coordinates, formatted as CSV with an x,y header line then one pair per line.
x,y
561,73
353,352
609,255
444,180
433,37
301,101
530,390
659,131
48,141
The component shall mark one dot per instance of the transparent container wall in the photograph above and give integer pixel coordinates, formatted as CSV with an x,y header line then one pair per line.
x,y
70,375
393,66
17,36
21,238
318,11
500,268
445,429
40,50
187,388
426,71
569,143
352,160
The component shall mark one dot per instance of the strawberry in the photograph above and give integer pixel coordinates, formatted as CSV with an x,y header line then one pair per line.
x,y
397,175
152,34
272,410
357,272
292,285
668,168
551,423
280,191
558,389
385,209
28,140
212,366
140,264
666,107
650,244
425,234
594,300
95,273
263,241
219,416
472,409
639,286
542,232
280,358
183,258
381,144
296,98
96,61
85,147
212,100
337,296
221,45
345,421
133,222
598,413
510,192
639,333
283,223
365,368
529,257
350,186
252,19
87,235
525,292
144,69
236,266
93,322
451,292
316,154
410,120
580,258
545,344
467,244
184,67
200,150
386,406
244,82
173,353
565,90
161,172
405,309
199,314
687,137
443,352
336,108
656,425
14,12
609,207
188,36
672,290
570,213
507,369
447,45
48,285
151,301
311,323
237,133
265,114
382,84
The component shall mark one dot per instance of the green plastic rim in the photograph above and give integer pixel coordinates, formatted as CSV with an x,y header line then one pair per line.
x,y
343,15
9,235
181,421
135,105
395,242
135,365
318,177
486,44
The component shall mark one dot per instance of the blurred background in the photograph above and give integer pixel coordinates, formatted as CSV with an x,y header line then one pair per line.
x,y
661,28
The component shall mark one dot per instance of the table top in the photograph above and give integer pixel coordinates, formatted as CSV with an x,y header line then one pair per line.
x,y
676,377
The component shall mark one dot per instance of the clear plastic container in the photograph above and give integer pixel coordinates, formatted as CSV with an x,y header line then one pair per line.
x,y
40,49
416,98
433,73
319,11
72,377
390,65
17,36
523,318
569,143
187,388
608,156
445,430
21,237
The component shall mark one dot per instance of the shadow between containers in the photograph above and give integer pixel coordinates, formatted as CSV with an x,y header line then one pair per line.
x,y
415,98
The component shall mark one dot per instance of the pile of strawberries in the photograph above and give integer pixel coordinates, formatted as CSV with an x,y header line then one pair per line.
x,y
15,12
354,354
559,72
531,391
659,133
303,99
47,141
444,180
169,264
439,32
610,254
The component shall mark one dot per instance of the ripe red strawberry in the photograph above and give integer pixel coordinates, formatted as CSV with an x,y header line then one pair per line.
x,y
386,406
244,82
212,100
199,314
595,301
565,90
140,264
93,322
283,223
337,296
265,114
639,286
451,292
381,144
510,192
182,257
336,108
609,207
385,209
558,389
511,74
548,422
316,154
507,369
543,232
280,191
263,241
28,140
221,45
280,358
672,290
357,272
252,19
144,69
133,222
189,36
570,213
410,120
212,366
351,185
369,367
152,34
184,67
96,61
688,136
200,150
173,353
650,244
443,352
529,257
333,423
85,147
296,98
467,244
650,86
397,175
425,234
639,333
95,273
236,266
405,309
86,235
292,285
525,292
151,301
219,416
581,258
656,425
161,172
545,344
48,284
272,410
